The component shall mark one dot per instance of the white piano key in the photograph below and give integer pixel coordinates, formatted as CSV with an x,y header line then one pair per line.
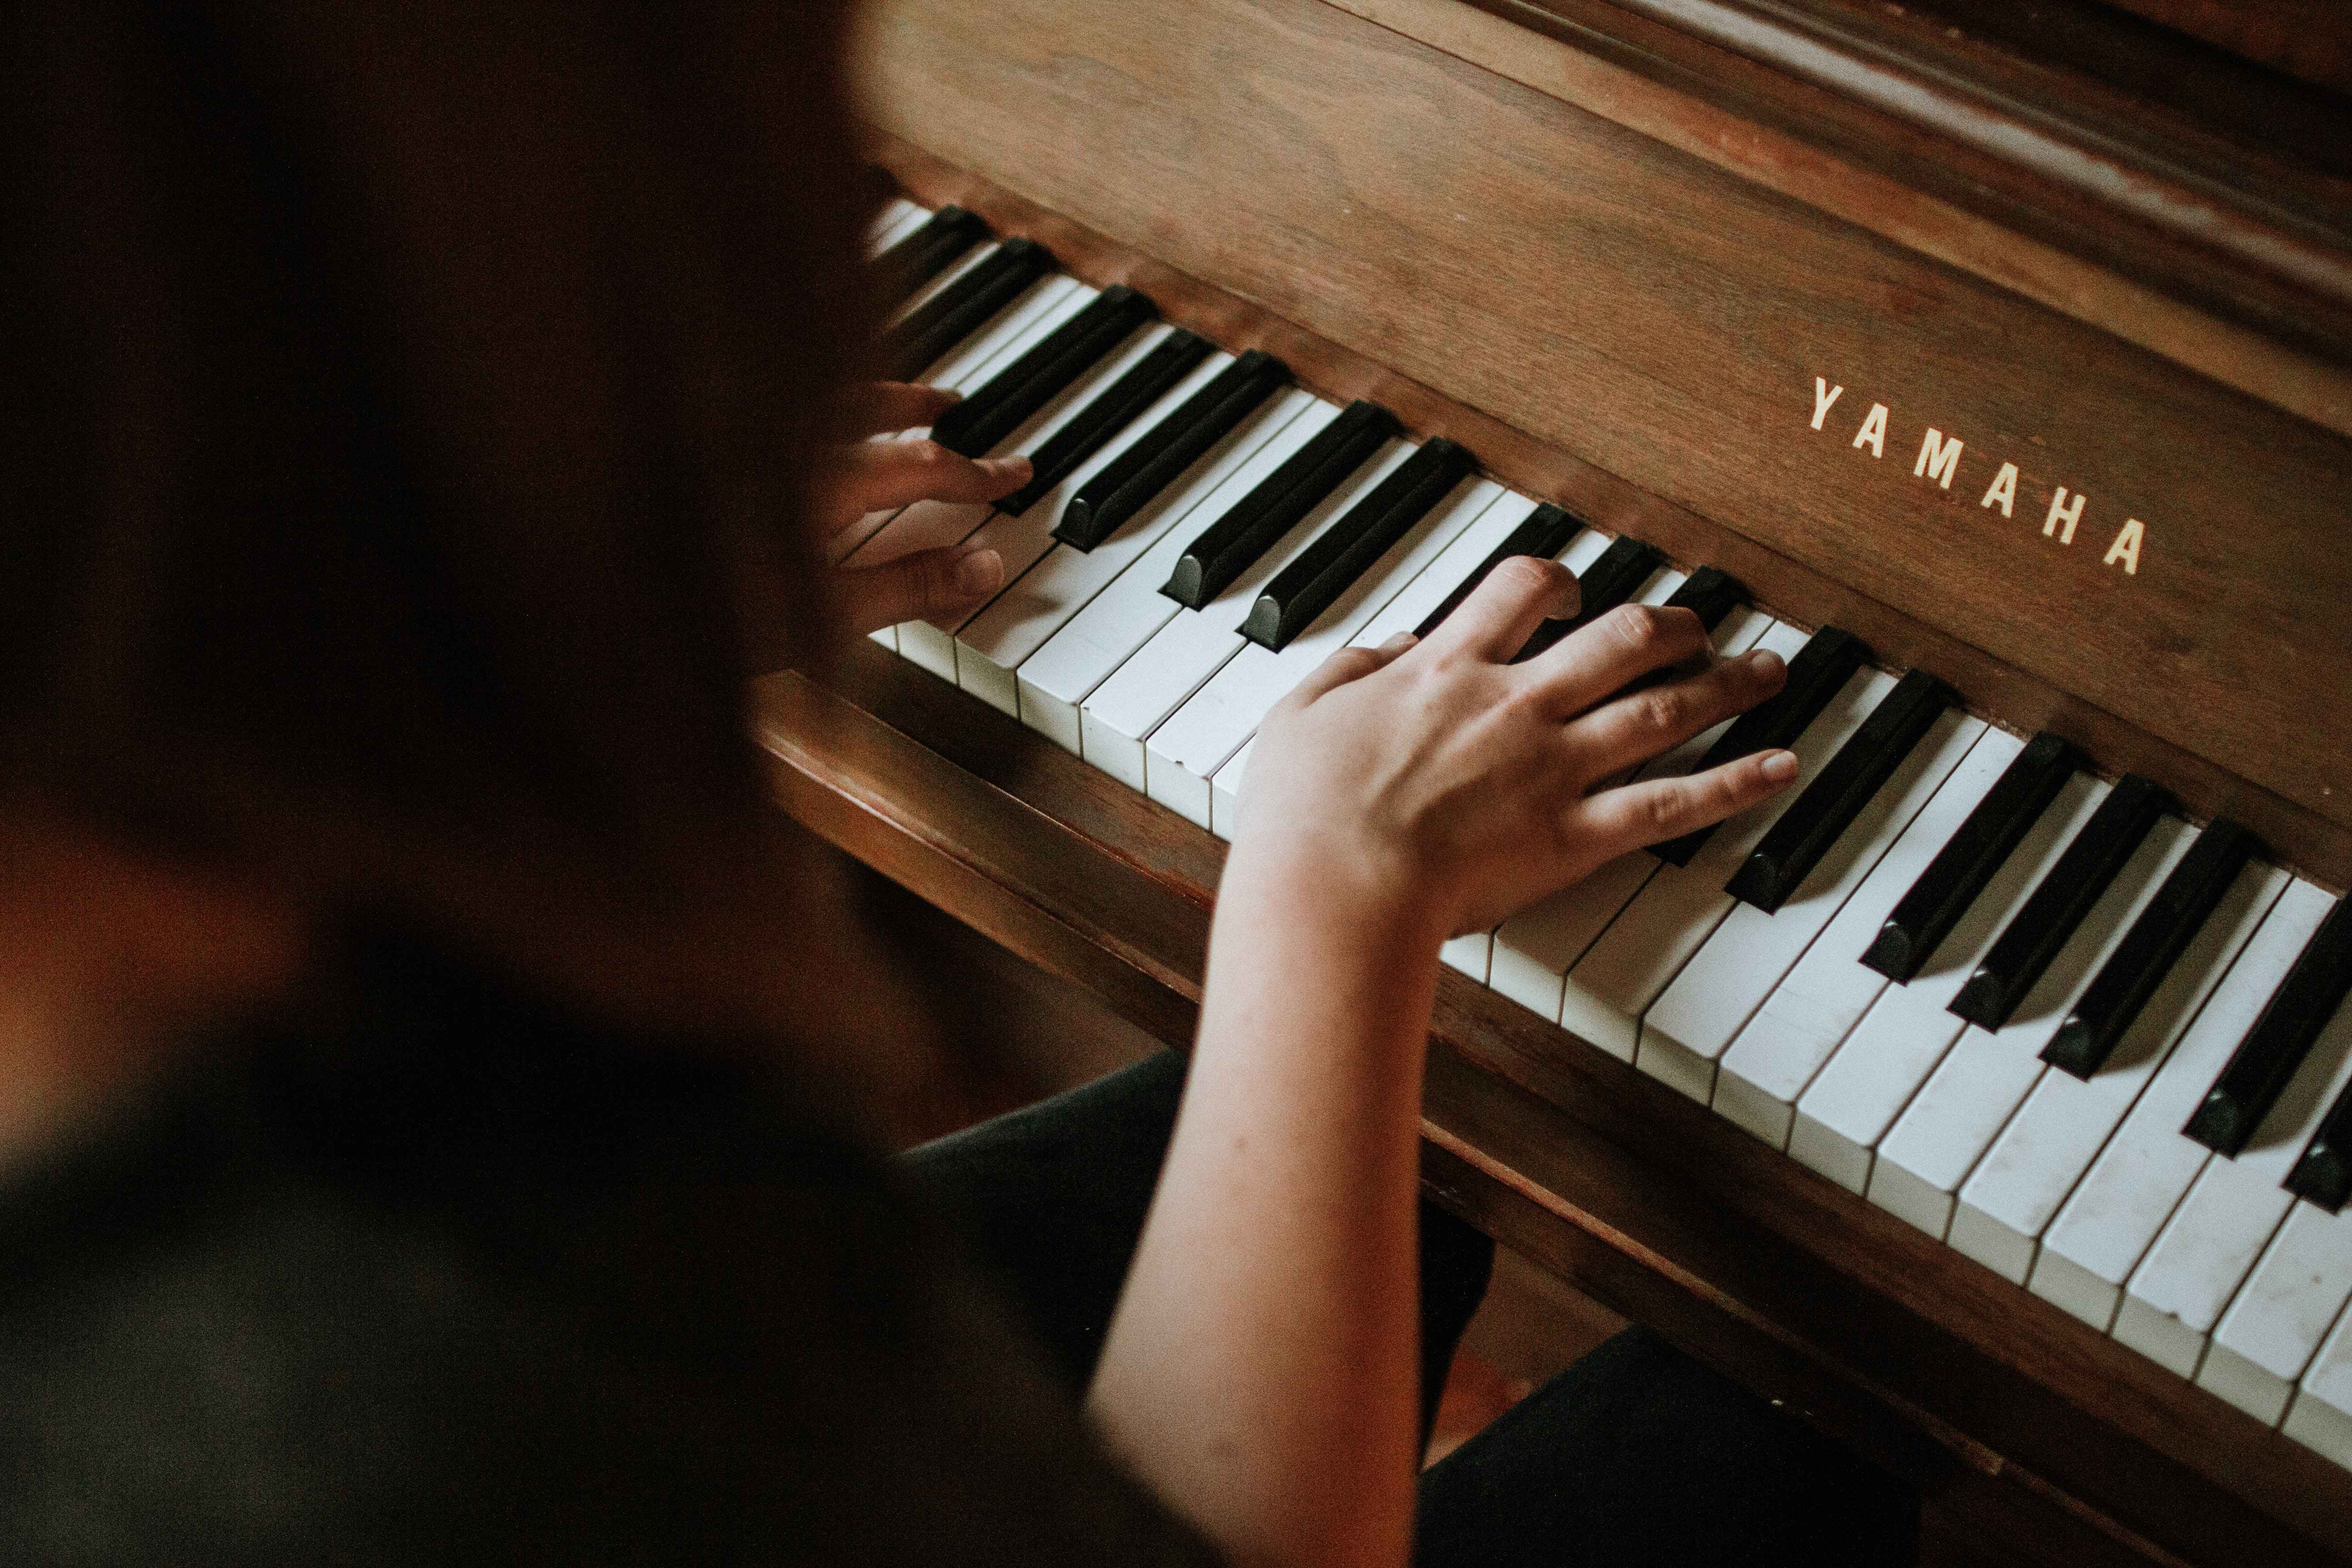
x,y
1680,906
1452,566
1194,645
1021,540
2137,1180
1534,949
1880,1065
2210,1245
1694,1020
963,368
898,218
1467,954
1224,793
1047,583
1128,610
2056,1136
1801,1023
2275,1322
1215,722
2320,1416
936,524
1986,1076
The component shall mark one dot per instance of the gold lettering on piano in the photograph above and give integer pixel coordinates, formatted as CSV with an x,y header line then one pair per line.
x,y
1873,430
1939,459
2126,549
1938,464
2060,513
2003,493
1824,396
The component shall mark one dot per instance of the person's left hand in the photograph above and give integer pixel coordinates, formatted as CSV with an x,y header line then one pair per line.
x,y
866,477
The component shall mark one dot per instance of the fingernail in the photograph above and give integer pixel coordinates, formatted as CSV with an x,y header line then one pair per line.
x,y
1014,468
980,571
1764,661
1399,643
1779,767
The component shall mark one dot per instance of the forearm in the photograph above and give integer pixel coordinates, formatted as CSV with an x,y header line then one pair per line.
x,y
1261,1370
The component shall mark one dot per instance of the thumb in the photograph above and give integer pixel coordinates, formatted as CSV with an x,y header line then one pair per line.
x,y
917,586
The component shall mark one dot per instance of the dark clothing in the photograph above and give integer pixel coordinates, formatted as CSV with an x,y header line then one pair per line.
x,y
1636,1456
1051,1199
462,1279
467,1281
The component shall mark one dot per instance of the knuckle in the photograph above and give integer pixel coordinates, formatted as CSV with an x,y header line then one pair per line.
x,y
1639,627
930,454
1663,811
1528,574
1662,709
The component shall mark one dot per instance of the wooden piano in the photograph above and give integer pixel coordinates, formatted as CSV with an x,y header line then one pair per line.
x,y
2013,339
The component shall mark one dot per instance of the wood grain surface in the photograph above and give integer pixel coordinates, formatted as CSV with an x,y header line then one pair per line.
x,y
1655,317
2003,1407
2310,842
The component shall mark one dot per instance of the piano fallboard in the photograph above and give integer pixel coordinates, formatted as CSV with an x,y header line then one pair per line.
x,y
1650,304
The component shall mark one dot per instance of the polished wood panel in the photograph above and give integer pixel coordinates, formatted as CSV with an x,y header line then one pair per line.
x,y
1646,312
2005,1408
2225,203
1811,598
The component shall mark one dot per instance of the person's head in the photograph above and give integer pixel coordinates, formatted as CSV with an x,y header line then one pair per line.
x,y
393,401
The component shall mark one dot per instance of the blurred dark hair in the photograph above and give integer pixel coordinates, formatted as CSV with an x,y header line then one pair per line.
x,y
392,400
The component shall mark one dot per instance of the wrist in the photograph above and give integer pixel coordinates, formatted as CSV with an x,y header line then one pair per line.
x,y
1370,901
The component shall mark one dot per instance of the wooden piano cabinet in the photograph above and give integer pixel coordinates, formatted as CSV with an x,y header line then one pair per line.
x,y
1623,306
1845,347
2016,1417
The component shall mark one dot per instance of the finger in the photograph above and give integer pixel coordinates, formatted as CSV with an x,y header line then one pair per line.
x,y
1347,664
918,588
877,405
1494,622
1630,730
1614,651
1633,815
873,476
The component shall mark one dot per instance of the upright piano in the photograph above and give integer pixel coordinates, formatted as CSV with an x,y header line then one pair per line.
x,y
1987,1099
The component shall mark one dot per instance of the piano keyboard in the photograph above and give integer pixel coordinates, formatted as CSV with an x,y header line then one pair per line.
x,y
2096,1049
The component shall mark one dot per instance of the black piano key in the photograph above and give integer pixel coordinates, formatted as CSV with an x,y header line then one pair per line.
x,y
1342,552
1803,833
1106,413
1608,583
1545,532
2148,951
923,255
1043,372
1820,670
1973,856
2052,910
1125,485
1231,545
2267,1057
1711,593
2324,1174
958,310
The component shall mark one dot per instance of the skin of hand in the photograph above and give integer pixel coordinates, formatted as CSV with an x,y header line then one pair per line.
x,y
1261,1370
866,477
1440,776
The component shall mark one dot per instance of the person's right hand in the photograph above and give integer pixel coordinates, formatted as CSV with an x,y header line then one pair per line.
x,y
1437,781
